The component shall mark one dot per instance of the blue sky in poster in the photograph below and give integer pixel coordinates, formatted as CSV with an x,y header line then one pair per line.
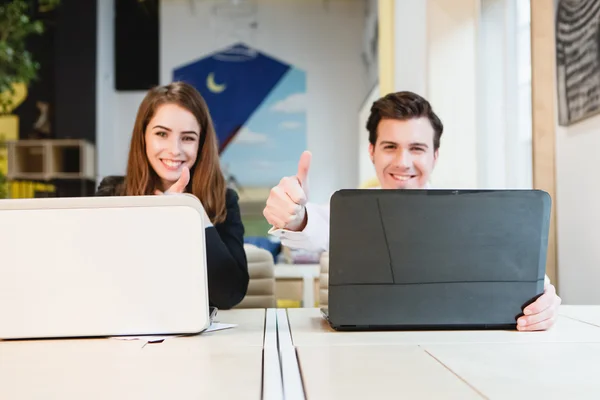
x,y
270,143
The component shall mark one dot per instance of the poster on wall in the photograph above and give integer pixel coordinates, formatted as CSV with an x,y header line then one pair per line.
x,y
578,59
258,107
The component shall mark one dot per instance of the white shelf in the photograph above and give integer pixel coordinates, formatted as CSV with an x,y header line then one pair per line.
x,y
51,159
307,272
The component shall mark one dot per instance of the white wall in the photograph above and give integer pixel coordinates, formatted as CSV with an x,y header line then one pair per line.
x,y
451,89
115,111
113,139
410,44
324,38
491,85
366,171
578,212
105,92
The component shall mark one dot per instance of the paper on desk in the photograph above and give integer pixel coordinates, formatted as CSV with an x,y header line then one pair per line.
x,y
215,326
218,326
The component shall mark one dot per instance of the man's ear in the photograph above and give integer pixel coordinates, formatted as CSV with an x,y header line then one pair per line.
x,y
371,150
435,157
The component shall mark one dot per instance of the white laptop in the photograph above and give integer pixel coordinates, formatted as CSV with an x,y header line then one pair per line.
x,y
102,266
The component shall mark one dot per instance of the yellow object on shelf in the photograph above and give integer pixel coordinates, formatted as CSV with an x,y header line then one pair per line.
x,y
28,189
17,97
284,303
9,125
9,130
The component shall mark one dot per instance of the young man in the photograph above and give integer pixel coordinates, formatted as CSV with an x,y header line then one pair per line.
x,y
404,140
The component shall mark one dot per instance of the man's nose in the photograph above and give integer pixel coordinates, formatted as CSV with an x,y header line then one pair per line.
x,y
403,159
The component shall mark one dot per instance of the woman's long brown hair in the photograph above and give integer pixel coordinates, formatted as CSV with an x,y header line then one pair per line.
x,y
206,179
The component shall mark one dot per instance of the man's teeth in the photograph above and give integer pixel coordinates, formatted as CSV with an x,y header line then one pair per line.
x,y
402,177
172,163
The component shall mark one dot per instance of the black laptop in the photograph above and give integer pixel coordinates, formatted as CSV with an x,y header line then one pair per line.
x,y
435,259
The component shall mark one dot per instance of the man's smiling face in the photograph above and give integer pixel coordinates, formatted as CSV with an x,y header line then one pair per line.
x,y
404,155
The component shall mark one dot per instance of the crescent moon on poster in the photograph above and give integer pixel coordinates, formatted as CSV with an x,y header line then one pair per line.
x,y
212,85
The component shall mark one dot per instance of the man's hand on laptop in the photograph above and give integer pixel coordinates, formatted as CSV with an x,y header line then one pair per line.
x,y
541,314
286,205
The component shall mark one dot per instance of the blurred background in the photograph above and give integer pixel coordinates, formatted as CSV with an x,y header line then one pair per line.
x,y
515,82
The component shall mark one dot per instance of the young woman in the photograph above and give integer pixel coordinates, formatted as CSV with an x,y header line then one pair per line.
x,y
174,150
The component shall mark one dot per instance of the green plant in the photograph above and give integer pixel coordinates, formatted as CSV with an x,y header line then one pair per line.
x,y
17,65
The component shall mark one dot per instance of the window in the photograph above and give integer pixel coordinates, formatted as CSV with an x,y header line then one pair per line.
x,y
523,98
504,111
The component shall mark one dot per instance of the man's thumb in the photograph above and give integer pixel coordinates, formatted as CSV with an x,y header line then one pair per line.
x,y
303,167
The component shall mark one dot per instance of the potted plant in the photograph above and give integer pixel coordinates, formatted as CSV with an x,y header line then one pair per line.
x,y
17,67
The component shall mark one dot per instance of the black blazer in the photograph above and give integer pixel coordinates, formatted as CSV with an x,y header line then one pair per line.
x,y
225,256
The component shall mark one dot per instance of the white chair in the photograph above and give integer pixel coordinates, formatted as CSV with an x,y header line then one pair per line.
x,y
324,279
261,288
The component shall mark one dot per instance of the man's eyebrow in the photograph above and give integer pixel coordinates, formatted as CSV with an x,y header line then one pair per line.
x,y
387,142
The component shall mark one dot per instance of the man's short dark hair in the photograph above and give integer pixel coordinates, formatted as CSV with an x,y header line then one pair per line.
x,y
403,106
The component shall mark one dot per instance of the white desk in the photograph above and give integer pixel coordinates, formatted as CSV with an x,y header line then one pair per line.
x,y
560,363
307,272
220,364
310,329
314,361
377,372
587,314
518,371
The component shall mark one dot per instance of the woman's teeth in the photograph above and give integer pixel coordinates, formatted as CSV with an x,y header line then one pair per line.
x,y
172,164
